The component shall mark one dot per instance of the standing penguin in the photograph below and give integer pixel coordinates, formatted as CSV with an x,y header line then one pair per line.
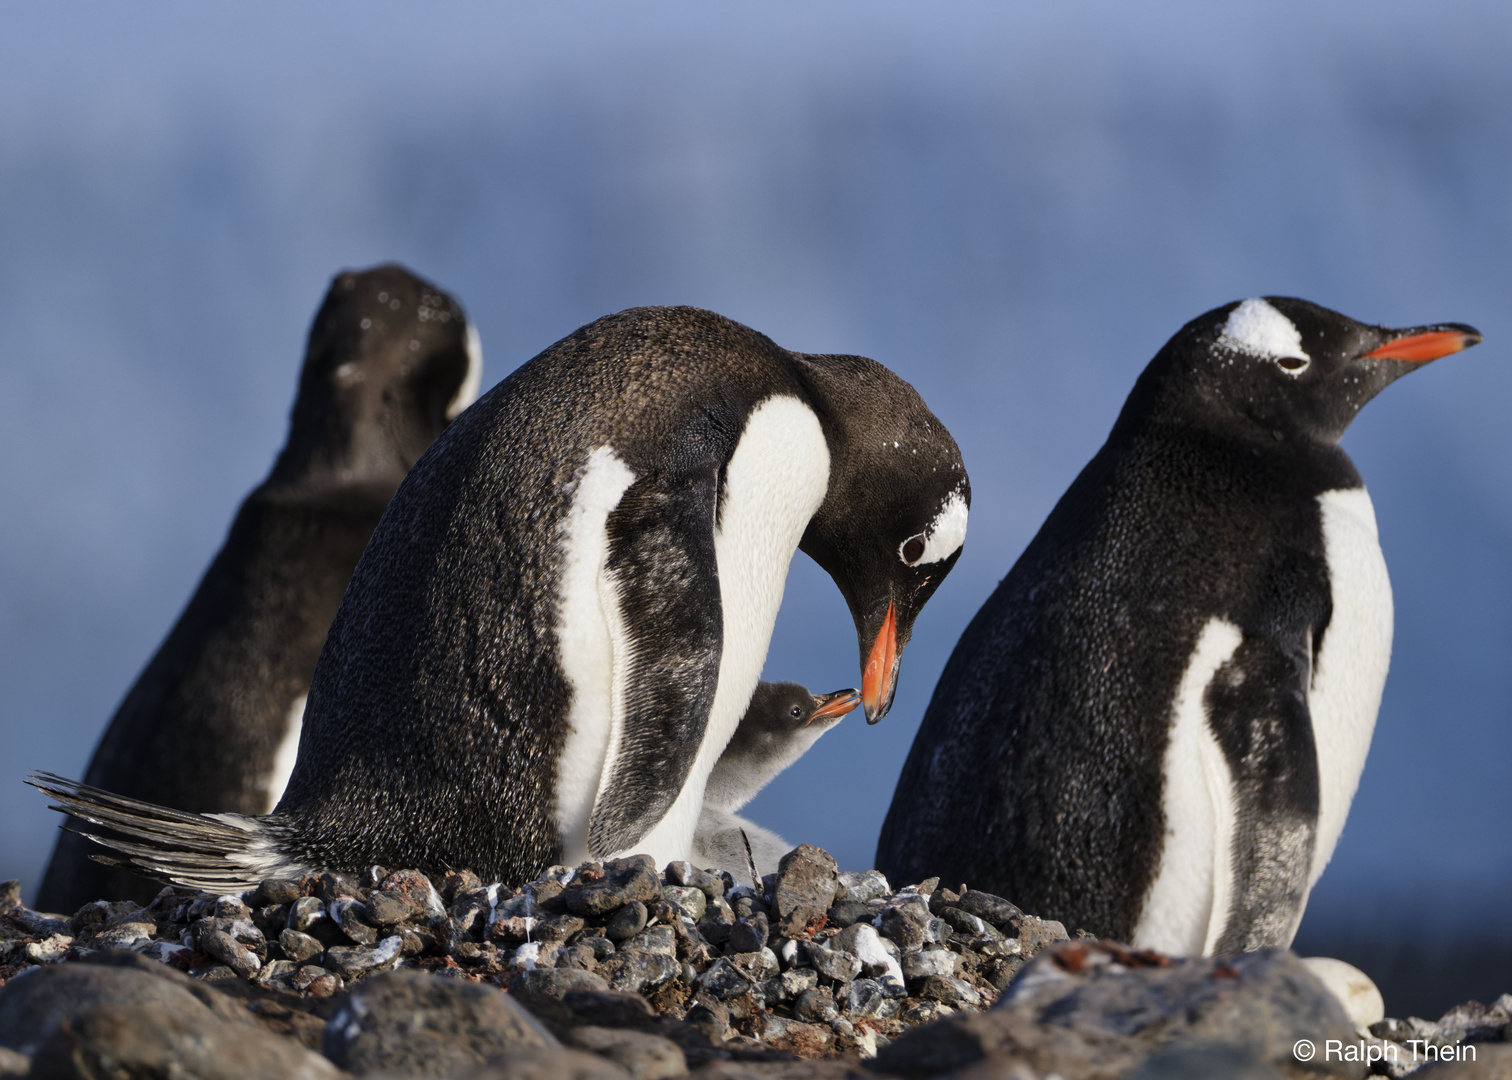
x,y
563,614
213,722
782,721
1155,726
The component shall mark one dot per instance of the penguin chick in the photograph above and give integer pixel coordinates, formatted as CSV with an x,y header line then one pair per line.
x,y
213,721
781,723
560,620
1154,727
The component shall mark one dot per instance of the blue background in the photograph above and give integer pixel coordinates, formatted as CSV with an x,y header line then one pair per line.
x,y
1011,206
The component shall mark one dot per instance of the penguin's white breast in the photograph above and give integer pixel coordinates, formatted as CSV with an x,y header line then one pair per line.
x,y
774,484
1187,904
589,633
1350,672
285,756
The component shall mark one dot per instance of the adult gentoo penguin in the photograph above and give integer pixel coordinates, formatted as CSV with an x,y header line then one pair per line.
x,y
212,723
1155,726
782,721
563,614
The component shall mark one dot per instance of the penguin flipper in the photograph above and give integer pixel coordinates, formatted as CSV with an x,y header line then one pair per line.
x,y
661,567
216,852
1258,711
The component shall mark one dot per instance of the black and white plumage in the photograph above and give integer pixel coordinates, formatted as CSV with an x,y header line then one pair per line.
x,y
1154,727
781,723
562,616
213,721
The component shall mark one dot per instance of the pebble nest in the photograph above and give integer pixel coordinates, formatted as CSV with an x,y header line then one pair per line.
x,y
808,962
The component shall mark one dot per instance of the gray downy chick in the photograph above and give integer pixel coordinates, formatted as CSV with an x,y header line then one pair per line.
x,y
782,721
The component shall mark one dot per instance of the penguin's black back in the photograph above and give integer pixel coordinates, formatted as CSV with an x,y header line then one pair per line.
x,y
1037,770
436,716
200,728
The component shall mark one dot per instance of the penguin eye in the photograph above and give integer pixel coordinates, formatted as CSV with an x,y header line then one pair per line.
x,y
796,712
913,549
1293,365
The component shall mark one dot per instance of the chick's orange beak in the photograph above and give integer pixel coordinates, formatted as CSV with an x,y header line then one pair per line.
x,y
881,664
829,706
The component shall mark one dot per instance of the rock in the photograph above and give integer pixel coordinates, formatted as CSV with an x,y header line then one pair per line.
x,y
862,941
388,908
866,997
129,935
34,1005
276,891
305,913
526,1063
625,881
833,963
907,924
655,939
725,980
816,1006
412,1024
989,908
794,1036
236,956
352,961
638,970
927,962
924,1012
1361,1000
846,912
1098,1010
749,934
1204,1063
47,950
299,947
349,915
626,922
277,975
152,1041
555,982
864,885
718,920
692,901
644,1056
807,879
948,990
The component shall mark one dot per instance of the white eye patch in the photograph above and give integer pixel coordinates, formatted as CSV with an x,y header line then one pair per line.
x,y
1260,330
945,534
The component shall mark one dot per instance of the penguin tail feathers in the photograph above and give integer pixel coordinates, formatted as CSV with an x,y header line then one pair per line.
x,y
219,853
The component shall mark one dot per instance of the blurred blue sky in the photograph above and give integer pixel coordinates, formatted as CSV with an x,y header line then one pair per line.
x,y
1011,206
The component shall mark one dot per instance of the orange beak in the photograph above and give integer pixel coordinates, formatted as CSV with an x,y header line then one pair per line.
x,y
877,676
837,704
1424,346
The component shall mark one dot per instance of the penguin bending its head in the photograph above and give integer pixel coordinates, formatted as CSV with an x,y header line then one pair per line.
x,y
213,721
781,723
1154,727
562,616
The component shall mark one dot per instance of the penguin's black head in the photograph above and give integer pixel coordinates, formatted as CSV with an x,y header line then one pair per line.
x,y
1290,369
784,707
391,361
894,517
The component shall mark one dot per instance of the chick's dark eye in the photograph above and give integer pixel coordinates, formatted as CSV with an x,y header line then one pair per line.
x,y
796,713
913,549
1292,363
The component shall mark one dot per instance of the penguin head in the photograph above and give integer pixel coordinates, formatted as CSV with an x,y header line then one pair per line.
x,y
894,518
391,361
1292,369
779,710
